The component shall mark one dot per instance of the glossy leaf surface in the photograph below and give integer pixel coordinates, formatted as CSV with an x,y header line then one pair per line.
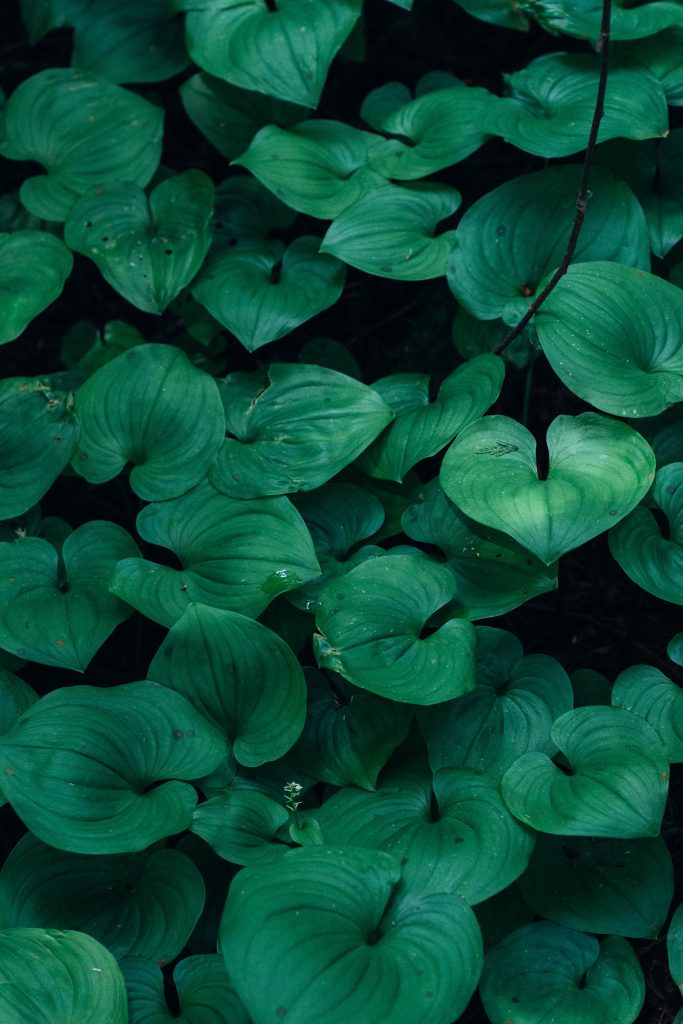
x,y
34,266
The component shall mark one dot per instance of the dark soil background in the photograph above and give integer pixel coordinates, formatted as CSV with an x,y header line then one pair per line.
x,y
598,618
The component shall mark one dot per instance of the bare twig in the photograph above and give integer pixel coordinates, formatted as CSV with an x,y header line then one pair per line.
x,y
582,196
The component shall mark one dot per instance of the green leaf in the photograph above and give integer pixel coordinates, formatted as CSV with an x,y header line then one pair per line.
x,y
55,607
129,41
85,131
230,117
38,433
421,429
440,128
505,13
599,471
316,167
611,886
494,573
613,334
41,16
590,687
543,968
330,935
615,787
582,17
513,237
147,248
647,692
550,105
510,712
349,734
650,168
152,407
205,994
33,268
390,232
241,825
62,977
246,212
675,947
238,674
371,622
283,50
135,904
262,292
452,833
652,559
16,696
660,54
293,430
664,434
501,914
80,766
236,555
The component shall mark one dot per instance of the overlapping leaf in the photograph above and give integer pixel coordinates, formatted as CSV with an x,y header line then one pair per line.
x,y
139,904
81,767
236,555
650,694
238,674
544,968
204,992
371,623
152,407
391,231
616,784
582,17
264,291
33,268
514,236
612,334
85,131
327,935
147,248
283,49
241,825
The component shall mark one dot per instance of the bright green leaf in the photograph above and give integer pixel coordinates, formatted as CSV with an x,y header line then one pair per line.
x,y
599,470
647,692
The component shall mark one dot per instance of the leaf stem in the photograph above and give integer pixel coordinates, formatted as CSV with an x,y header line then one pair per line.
x,y
602,47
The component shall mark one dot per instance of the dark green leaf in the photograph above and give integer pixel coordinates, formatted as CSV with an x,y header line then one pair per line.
x,y
33,268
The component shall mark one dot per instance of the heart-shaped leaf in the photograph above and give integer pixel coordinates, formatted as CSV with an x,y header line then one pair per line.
x,y
616,784
611,886
85,131
349,734
38,433
240,825
328,935
263,292
371,623
647,692
599,470
238,674
421,429
550,105
494,573
652,560
80,766
451,832
613,335
33,268
152,407
660,54
509,713
514,236
129,41
139,904
283,49
440,129
55,607
650,168
236,555
543,965
316,167
230,117
582,17
294,429
148,249
205,994
58,976
390,232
